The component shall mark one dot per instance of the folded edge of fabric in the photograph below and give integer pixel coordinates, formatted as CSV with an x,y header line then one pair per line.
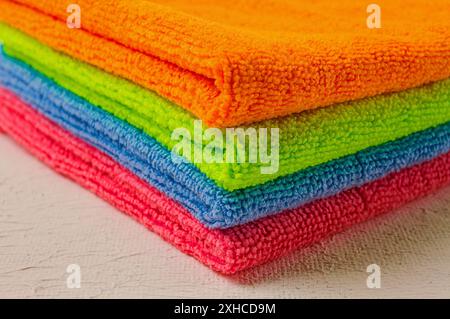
x,y
226,251
220,88
211,205
307,139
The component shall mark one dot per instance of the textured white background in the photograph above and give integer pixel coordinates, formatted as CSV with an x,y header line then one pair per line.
x,y
48,222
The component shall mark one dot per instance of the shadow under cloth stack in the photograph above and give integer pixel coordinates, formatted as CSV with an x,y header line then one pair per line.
x,y
357,120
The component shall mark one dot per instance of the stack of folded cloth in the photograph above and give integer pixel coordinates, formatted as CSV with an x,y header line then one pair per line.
x,y
363,115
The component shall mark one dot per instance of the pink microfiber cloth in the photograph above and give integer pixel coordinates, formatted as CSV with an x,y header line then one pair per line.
x,y
226,251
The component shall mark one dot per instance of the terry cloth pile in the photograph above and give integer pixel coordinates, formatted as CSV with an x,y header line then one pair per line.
x,y
113,104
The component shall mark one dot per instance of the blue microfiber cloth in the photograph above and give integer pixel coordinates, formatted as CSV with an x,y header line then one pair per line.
x,y
212,205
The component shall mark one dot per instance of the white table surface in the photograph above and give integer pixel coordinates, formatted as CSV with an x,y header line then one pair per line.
x,y
48,222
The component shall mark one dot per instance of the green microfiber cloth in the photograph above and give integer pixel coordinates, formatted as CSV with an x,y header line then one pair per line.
x,y
306,139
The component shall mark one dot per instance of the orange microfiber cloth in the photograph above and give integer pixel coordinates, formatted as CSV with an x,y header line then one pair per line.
x,y
239,61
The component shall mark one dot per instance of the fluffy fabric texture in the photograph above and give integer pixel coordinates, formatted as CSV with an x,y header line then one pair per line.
x,y
233,62
226,251
307,139
212,205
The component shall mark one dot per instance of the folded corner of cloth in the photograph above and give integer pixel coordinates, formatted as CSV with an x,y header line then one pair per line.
x,y
305,140
226,251
212,205
229,70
